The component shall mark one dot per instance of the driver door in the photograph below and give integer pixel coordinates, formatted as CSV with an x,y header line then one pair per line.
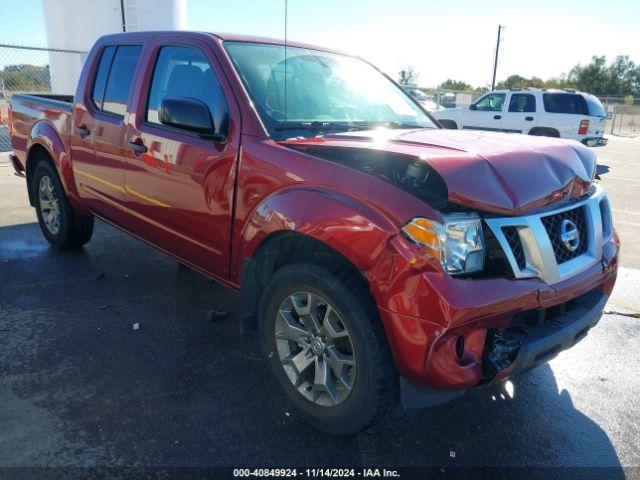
x,y
485,114
179,184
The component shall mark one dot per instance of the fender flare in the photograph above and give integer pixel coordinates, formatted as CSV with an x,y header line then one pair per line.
x,y
349,227
355,230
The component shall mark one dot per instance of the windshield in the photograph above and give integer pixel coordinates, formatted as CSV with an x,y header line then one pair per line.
x,y
323,92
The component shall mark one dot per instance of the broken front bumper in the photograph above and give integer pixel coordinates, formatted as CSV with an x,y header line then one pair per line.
x,y
532,338
525,346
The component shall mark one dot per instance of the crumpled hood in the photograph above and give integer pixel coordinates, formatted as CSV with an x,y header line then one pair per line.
x,y
496,172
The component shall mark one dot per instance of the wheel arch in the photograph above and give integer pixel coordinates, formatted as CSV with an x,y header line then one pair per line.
x,y
545,132
36,153
448,124
306,225
46,144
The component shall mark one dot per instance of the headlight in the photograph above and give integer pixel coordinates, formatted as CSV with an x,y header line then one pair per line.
x,y
457,244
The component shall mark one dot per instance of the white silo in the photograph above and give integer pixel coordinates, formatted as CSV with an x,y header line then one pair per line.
x,y
76,24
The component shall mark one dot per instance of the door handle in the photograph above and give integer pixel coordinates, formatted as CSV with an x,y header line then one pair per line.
x,y
529,119
497,117
82,130
138,147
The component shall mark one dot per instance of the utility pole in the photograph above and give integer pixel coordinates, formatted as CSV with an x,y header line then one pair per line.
x,y
495,63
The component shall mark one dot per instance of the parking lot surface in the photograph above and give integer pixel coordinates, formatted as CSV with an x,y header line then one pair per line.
x,y
81,387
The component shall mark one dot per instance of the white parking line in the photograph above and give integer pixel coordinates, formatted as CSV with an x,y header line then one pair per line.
x,y
601,161
632,151
627,212
624,222
622,178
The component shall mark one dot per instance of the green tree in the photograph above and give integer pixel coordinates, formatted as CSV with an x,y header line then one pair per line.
x,y
25,77
517,81
593,78
450,84
408,76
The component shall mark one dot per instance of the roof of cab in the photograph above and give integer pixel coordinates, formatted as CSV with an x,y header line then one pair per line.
x,y
225,37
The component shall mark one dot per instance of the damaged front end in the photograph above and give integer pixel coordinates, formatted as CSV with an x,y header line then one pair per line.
x,y
536,336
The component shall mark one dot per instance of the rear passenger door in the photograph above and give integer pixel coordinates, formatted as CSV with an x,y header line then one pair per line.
x,y
520,116
98,151
180,190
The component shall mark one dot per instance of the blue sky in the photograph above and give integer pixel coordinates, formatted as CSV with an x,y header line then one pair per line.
x,y
440,38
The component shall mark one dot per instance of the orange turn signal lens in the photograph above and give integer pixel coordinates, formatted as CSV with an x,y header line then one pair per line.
x,y
457,243
424,232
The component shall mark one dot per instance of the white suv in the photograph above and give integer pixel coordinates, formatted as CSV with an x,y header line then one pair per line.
x,y
552,113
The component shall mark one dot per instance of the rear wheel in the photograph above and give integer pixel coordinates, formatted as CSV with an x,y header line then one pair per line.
x,y
61,225
325,345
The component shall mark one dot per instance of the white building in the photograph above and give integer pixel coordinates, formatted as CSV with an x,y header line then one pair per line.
x,y
76,24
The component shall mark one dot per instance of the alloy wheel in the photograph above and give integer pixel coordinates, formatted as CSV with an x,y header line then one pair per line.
x,y
315,349
49,204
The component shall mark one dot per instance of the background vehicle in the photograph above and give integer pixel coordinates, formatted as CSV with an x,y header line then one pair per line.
x,y
425,101
374,252
550,113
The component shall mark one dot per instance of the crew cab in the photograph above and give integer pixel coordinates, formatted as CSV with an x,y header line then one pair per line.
x,y
375,252
550,113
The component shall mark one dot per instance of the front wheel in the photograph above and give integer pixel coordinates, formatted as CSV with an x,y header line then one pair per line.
x,y
61,225
326,347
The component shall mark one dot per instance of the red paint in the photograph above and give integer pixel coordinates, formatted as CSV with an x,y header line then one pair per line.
x,y
213,205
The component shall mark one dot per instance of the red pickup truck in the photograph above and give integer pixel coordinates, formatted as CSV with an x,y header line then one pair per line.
x,y
377,255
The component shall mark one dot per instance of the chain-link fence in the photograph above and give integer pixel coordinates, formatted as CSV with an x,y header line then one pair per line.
x,y
623,114
35,70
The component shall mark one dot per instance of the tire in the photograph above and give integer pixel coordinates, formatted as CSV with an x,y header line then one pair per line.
x,y
61,225
448,124
372,377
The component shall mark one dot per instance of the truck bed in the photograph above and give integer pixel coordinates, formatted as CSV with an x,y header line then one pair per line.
x,y
29,109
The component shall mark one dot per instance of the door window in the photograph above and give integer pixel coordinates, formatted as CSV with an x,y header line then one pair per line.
x,y
114,77
491,103
120,78
184,72
100,81
522,103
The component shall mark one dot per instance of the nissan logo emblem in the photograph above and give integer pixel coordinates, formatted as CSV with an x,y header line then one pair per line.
x,y
569,235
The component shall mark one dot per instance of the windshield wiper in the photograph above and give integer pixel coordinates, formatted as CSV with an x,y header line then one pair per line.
x,y
317,126
406,125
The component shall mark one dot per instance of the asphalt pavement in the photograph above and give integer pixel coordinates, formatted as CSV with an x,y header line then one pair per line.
x,y
81,387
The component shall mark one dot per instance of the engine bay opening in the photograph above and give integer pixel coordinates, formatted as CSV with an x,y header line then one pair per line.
x,y
407,172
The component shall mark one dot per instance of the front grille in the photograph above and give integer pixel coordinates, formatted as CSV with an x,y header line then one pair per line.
x,y
553,224
513,237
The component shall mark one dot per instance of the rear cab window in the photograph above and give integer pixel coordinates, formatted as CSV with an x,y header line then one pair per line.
x,y
114,76
570,103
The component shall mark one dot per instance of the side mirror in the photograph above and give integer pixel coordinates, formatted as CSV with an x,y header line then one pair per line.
x,y
189,114
472,106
